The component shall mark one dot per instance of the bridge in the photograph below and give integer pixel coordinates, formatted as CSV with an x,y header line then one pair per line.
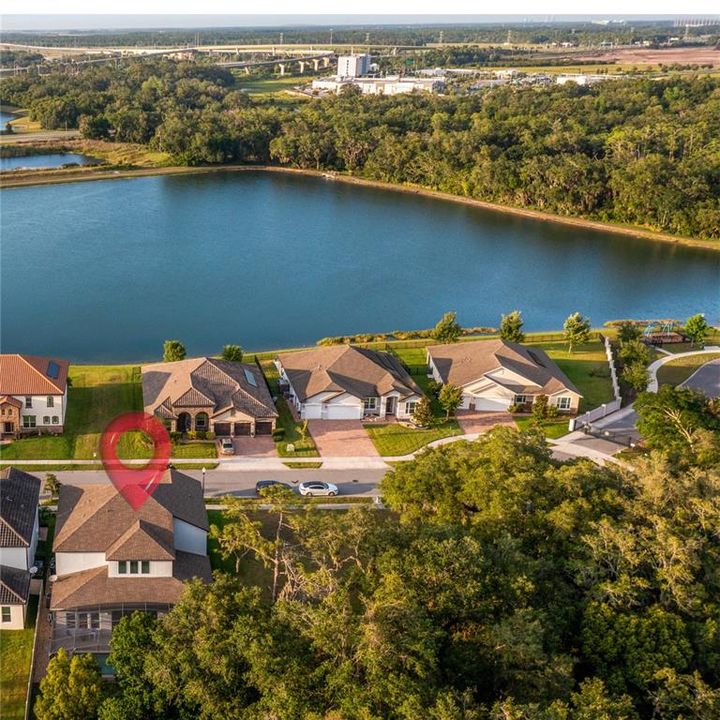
x,y
282,63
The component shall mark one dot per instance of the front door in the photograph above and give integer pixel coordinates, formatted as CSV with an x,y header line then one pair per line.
x,y
390,404
9,427
471,404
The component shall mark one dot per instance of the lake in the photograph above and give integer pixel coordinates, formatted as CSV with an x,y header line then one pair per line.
x,y
47,160
107,270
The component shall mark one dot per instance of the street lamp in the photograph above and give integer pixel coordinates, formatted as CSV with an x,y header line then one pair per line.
x,y
203,481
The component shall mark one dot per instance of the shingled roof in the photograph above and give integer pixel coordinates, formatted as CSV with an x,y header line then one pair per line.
x,y
465,362
217,385
14,585
32,375
97,518
19,496
346,369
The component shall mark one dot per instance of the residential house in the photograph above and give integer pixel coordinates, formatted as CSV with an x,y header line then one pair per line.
x,y
495,374
33,394
205,394
343,382
19,529
112,560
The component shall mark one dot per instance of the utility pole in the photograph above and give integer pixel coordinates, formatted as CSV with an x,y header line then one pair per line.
x,y
442,35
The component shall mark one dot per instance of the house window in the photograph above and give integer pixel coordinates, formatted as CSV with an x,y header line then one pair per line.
x,y
122,567
410,407
28,421
133,567
6,613
370,403
28,402
521,399
56,420
563,403
51,401
145,567
70,620
89,620
46,420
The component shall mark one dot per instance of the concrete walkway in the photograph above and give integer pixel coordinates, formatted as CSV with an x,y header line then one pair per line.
x,y
655,366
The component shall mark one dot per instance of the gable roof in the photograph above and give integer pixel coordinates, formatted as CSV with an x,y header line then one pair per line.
x,y
217,385
346,369
465,362
97,518
32,375
14,585
19,496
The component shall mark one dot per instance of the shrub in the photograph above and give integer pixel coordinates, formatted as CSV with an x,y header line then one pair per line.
x,y
201,435
173,350
278,433
209,435
175,436
192,434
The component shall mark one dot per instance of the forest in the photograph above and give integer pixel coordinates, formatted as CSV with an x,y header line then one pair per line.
x,y
499,584
642,152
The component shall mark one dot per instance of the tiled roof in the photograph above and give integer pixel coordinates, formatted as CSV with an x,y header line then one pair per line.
x,y
95,518
10,401
31,375
92,588
465,362
14,585
19,496
143,540
216,385
346,369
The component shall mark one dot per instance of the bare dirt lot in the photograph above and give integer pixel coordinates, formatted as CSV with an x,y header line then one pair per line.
x,y
667,56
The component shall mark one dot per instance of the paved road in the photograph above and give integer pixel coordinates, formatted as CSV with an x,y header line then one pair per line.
x,y
225,482
42,136
706,378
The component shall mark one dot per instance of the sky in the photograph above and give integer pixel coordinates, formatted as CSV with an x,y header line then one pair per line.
x,y
37,22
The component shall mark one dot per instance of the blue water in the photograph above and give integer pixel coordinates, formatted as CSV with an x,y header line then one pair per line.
x,y
49,160
99,271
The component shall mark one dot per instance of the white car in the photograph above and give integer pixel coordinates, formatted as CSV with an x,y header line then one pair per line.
x,y
315,487
227,447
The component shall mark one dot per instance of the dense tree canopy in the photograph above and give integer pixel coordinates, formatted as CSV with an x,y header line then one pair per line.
x,y
504,584
640,151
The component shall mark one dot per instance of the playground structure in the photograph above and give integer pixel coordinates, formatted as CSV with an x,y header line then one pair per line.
x,y
662,332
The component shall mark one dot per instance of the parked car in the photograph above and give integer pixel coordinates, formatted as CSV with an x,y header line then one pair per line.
x,y
262,484
315,487
227,447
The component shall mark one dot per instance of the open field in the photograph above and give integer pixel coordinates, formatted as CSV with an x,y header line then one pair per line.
x,y
701,55
271,85
679,370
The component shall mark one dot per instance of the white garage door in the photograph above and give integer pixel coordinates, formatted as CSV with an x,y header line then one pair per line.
x,y
342,412
490,405
311,411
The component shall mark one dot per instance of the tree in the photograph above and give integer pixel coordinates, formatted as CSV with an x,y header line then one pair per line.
x,y
697,329
576,330
448,329
71,689
450,398
233,353
173,350
636,376
52,484
634,351
540,408
511,327
423,414
628,331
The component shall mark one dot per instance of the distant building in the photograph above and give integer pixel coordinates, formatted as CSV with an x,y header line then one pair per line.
x,y
580,79
351,66
33,394
391,85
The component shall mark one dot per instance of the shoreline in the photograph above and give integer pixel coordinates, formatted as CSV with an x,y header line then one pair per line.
x,y
54,177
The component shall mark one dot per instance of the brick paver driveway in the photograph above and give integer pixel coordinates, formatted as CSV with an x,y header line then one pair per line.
x,y
258,446
472,421
341,438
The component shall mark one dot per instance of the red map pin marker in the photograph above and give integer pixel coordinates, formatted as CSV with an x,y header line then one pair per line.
x,y
136,485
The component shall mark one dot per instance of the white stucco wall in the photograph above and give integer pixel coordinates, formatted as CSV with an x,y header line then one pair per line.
x,y
14,557
69,562
17,618
189,538
40,409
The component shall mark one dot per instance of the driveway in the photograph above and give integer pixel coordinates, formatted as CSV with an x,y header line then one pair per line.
x,y
474,422
341,438
258,446
706,379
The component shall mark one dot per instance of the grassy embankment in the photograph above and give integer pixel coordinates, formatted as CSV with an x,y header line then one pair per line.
x,y
679,370
98,394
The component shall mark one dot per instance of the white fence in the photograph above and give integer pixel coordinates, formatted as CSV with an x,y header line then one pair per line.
x,y
605,408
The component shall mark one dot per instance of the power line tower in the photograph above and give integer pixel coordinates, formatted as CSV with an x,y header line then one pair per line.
x,y
442,35
282,37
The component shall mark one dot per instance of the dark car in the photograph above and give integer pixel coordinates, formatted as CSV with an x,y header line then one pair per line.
x,y
262,484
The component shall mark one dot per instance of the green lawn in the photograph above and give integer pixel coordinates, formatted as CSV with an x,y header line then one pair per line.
x,y
395,439
679,370
270,85
15,655
98,394
551,428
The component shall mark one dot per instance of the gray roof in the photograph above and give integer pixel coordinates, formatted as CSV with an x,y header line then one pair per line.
x,y
346,369
207,383
14,585
465,362
19,496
